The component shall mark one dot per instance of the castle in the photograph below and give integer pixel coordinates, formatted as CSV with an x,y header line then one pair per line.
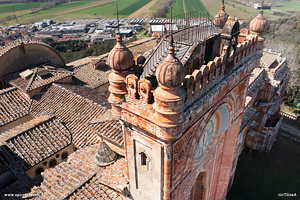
x,y
179,112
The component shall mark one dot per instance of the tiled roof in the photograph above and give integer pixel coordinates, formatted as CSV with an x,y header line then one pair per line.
x,y
142,47
37,139
80,178
90,76
94,189
88,93
36,81
13,105
76,112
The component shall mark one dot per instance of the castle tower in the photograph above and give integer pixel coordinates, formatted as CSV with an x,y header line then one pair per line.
x,y
221,18
181,130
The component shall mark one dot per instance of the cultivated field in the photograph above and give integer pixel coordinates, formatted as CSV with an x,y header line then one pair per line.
x,y
81,10
144,10
177,8
107,9
194,5
18,6
289,6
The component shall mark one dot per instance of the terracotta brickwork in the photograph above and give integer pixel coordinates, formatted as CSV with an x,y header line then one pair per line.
x,y
166,122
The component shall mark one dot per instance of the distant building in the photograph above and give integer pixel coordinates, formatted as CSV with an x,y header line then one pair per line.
x,y
126,32
74,29
40,24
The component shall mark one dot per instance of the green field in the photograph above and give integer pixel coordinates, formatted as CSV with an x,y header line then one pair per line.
x,y
18,6
194,5
133,7
107,10
177,9
127,7
288,6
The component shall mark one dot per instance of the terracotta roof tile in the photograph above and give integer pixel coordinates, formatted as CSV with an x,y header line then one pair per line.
x,y
36,80
90,76
13,105
76,111
80,178
37,139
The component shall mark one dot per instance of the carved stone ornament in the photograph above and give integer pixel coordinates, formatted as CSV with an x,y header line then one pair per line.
x,y
170,73
120,58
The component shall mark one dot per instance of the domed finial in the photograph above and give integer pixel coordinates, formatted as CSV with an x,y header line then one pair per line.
x,y
259,24
170,72
221,18
120,57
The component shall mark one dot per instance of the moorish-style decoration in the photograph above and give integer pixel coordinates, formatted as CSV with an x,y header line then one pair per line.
x,y
204,141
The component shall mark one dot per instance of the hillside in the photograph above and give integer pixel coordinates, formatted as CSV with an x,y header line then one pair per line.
x,y
283,36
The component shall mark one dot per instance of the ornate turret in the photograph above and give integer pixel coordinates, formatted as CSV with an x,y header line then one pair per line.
x,y
257,27
120,59
221,18
169,96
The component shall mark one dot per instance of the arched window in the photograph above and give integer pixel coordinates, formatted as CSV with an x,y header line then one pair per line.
x,y
145,161
52,163
39,170
224,114
64,155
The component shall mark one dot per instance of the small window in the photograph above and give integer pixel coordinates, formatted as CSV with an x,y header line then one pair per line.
x,y
52,163
64,155
57,155
144,160
39,170
45,163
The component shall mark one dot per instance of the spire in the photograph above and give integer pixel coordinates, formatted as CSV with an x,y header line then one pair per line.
x,y
262,6
223,6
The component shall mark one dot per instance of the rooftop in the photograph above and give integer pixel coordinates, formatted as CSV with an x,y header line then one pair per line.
x,y
13,105
37,139
80,177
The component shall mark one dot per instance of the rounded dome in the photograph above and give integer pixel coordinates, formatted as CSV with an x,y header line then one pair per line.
x,y
120,58
221,18
259,23
170,72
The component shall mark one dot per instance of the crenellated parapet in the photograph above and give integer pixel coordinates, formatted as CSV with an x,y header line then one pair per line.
x,y
245,50
162,106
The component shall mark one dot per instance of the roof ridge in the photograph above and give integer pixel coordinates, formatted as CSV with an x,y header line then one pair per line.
x,y
13,132
3,91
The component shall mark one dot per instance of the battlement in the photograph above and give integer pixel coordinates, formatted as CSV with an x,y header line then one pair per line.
x,y
198,83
